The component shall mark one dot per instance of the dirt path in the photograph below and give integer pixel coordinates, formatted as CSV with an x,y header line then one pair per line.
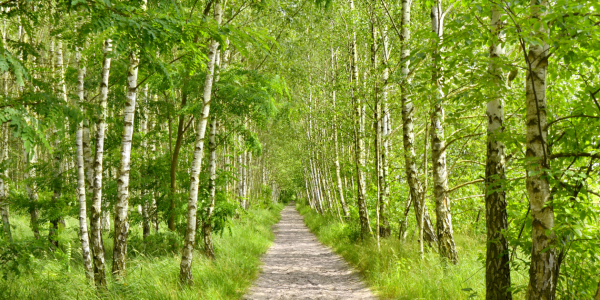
x,y
298,266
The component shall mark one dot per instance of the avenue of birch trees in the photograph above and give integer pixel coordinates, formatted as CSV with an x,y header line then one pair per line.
x,y
453,116
411,120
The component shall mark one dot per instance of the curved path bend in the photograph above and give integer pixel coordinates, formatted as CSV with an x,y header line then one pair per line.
x,y
298,266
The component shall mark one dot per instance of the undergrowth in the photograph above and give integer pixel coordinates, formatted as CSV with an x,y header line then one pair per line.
x,y
153,265
397,272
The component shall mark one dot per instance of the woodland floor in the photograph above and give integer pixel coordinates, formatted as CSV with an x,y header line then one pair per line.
x,y
298,266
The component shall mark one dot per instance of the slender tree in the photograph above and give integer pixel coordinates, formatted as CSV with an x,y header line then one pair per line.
x,y
359,132
445,233
543,271
497,273
81,192
96,216
190,234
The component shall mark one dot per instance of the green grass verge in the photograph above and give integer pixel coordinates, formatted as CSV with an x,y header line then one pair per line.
x,y
150,274
397,272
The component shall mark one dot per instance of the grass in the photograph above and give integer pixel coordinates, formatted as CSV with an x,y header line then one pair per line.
x,y
397,272
152,272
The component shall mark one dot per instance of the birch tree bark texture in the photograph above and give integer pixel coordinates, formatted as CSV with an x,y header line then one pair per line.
x,y
212,174
143,193
408,131
543,271
96,215
31,187
4,210
185,273
359,111
497,275
444,230
122,205
81,177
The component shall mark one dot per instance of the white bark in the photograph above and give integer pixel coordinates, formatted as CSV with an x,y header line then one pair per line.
x,y
543,271
497,276
385,229
359,114
212,174
83,230
190,234
408,133
338,176
4,211
122,205
444,229
96,216
31,188
144,130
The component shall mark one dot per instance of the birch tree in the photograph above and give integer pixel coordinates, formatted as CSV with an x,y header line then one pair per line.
x,y
497,260
185,273
543,271
122,205
359,130
81,178
96,216
445,233
4,210
408,134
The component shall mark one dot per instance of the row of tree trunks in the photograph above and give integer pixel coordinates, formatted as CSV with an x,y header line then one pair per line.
x,y
359,131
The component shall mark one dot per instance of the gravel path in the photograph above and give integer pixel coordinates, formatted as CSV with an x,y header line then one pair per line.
x,y
298,266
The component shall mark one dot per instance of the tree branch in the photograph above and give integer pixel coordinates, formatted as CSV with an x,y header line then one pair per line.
x,y
459,138
569,117
465,184
572,154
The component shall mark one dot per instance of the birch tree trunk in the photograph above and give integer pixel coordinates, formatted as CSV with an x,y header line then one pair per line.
x,y
81,178
359,111
497,273
404,223
376,128
338,176
31,187
143,193
212,174
190,234
240,174
122,206
384,229
438,147
543,271
55,221
408,132
88,158
96,216
4,211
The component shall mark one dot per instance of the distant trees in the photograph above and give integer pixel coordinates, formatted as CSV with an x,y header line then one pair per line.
x,y
448,61
368,110
72,74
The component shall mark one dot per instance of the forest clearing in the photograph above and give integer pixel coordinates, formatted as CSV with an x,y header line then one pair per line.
x,y
291,149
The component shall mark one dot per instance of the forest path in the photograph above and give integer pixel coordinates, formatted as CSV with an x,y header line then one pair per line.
x,y
298,266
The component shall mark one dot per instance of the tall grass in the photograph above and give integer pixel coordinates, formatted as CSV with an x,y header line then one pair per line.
x,y
152,272
397,272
